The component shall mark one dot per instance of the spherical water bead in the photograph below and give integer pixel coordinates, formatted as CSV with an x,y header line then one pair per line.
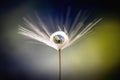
x,y
60,38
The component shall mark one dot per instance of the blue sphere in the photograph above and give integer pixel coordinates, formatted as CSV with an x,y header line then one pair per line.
x,y
58,39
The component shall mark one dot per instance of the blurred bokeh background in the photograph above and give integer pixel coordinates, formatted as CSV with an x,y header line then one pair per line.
x,y
95,56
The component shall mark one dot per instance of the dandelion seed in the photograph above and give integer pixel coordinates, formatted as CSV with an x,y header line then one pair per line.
x,y
62,38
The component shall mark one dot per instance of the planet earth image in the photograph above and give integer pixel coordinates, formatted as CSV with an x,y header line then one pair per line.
x,y
58,39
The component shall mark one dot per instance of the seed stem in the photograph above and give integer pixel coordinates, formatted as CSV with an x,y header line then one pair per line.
x,y
59,51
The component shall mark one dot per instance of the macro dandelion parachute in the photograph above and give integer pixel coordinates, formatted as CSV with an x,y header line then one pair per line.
x,y
61,37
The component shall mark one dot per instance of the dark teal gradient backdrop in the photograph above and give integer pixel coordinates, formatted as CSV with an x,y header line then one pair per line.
x,y
95,57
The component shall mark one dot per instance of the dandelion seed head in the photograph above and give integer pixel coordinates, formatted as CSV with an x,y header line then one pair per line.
x,y
61,36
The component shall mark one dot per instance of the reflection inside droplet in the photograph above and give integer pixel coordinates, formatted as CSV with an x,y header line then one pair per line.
x,y
58,39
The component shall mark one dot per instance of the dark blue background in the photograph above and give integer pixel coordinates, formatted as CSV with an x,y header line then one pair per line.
x,y
9,67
